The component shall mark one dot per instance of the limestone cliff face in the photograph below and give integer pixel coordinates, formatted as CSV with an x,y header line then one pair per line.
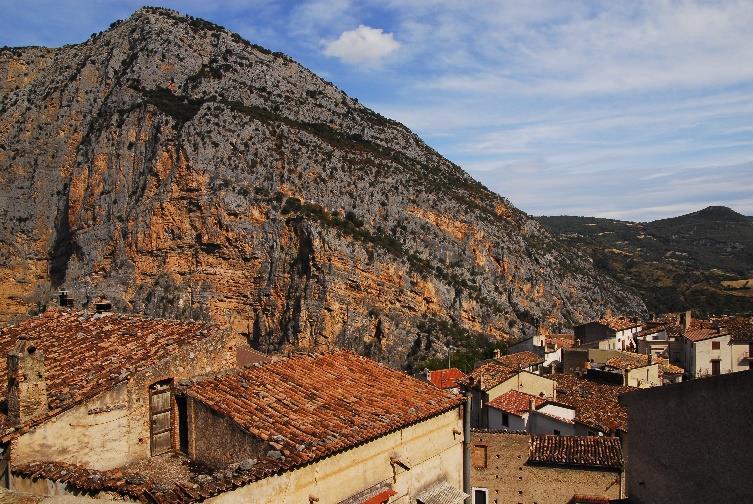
x,y
181,171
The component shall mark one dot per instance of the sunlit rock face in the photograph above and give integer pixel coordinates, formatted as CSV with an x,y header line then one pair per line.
x,y
180,171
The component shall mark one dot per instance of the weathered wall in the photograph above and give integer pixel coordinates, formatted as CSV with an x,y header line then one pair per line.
x,y
740,354
514,422
646,376
432,450
525,382
215,439
509,478
539,423
691,442
112,429
58,493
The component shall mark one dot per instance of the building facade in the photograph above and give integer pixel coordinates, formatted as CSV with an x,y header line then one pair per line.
x,y
514,467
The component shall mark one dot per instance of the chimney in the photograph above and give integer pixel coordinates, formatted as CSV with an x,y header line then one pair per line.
x,y
685,319
27,389
497,353
532,404
427,374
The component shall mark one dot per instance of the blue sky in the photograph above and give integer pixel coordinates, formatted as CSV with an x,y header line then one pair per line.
x,y
631,110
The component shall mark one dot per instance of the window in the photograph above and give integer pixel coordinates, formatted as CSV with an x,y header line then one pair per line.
x,y
480,496
715,345
478,457
505,419
557,433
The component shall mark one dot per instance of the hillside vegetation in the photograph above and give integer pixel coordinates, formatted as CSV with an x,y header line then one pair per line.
x,y
701,261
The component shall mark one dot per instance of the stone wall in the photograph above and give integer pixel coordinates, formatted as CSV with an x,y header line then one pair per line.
x,y
215,439
509,477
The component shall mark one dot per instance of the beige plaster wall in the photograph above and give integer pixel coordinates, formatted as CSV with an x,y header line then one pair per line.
x,y
431,449
526,382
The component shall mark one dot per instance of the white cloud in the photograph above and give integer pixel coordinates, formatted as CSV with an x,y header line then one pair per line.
x,y
364,45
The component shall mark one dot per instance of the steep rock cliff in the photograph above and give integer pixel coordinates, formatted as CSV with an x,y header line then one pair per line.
x,y
179,170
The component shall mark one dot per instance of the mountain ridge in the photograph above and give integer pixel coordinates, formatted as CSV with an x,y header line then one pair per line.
x,y
182,171
695,261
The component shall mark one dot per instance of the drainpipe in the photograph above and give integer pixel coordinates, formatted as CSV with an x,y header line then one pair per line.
x,y
467,446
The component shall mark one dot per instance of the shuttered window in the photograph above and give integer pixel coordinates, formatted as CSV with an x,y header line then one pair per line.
x,y
160,408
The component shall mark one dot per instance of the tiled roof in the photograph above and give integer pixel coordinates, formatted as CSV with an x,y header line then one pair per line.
x,y
652,330
446,378
305,406
496,371
312,406
596,404
698,329
703,334
630,360
85,354
515,402
83,478
562,340
740,328
442,493
591,451
619,323
519,360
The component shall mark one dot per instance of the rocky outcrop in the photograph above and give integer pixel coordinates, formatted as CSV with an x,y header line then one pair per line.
x,y
179,170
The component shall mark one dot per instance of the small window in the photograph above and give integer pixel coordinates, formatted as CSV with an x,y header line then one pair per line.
x,y
557,433
505,419
715,345
479,456
480,496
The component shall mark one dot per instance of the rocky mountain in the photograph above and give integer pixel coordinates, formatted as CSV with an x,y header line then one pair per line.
x,y
701,261
181,171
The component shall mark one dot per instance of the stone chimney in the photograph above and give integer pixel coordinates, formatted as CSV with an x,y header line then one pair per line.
x,y
27,389
497,353
685,319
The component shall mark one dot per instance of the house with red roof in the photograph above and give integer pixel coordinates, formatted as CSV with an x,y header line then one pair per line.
x,y
510,410
445,379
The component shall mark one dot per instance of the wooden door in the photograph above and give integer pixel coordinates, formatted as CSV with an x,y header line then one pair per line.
x,y
160,411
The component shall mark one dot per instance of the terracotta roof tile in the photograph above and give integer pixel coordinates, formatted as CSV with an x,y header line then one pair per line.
x,y
591,451
316,405
596,404
740,328
619,323
446,378
630,360
85,354
515,402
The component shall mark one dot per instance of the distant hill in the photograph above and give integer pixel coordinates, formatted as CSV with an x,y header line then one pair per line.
x,y
699,261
